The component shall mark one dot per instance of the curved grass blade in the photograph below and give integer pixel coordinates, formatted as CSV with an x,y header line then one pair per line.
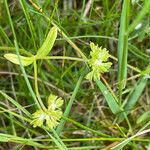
x,y
113,105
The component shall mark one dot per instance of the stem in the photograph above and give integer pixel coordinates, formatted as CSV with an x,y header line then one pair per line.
x,y
79,52
36,87
61,57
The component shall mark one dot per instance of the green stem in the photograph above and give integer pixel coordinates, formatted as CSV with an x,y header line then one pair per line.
x,y
36,87
61,57
17,52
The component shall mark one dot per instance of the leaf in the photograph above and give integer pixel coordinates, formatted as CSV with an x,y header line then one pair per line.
x,y
133,97
48,43
20,107
113,105
123,46
125,142
20,140
69,106
139,16
143,117
26,61
138,53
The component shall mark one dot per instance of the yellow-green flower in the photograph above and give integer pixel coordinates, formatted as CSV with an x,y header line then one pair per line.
x,y
51,116
98,62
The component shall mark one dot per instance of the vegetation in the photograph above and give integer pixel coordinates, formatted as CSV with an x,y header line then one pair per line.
x,y
74,74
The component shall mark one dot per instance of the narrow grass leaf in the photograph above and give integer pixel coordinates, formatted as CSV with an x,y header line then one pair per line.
x,y
138,53
123,46
85,127
48,43
125,142
58,138
19,140
69,106
63,147
136,93
143,117
29,21
26,61
15,114
113,105
140,16
15,103
5,36
133,97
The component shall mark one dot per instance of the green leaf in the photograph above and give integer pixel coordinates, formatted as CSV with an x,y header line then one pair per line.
x,y
48,43
133,97
113,105
143,117
140,16
20,107
69,106
26,61
125,142
123,46
138,53
20,140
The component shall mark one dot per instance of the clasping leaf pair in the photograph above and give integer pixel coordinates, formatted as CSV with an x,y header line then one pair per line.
x,y
42,52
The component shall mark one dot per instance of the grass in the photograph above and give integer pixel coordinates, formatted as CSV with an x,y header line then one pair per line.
x,y
110,113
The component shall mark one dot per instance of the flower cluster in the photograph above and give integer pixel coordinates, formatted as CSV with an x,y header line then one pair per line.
x,y
98,62
51,115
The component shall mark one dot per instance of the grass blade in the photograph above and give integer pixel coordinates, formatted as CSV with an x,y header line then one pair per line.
x,y
63,147
113,105
143,117
140,15
17,52
30,24
133,97
85,127
69,106
20,140
15,103
125,142
139,54
123,46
